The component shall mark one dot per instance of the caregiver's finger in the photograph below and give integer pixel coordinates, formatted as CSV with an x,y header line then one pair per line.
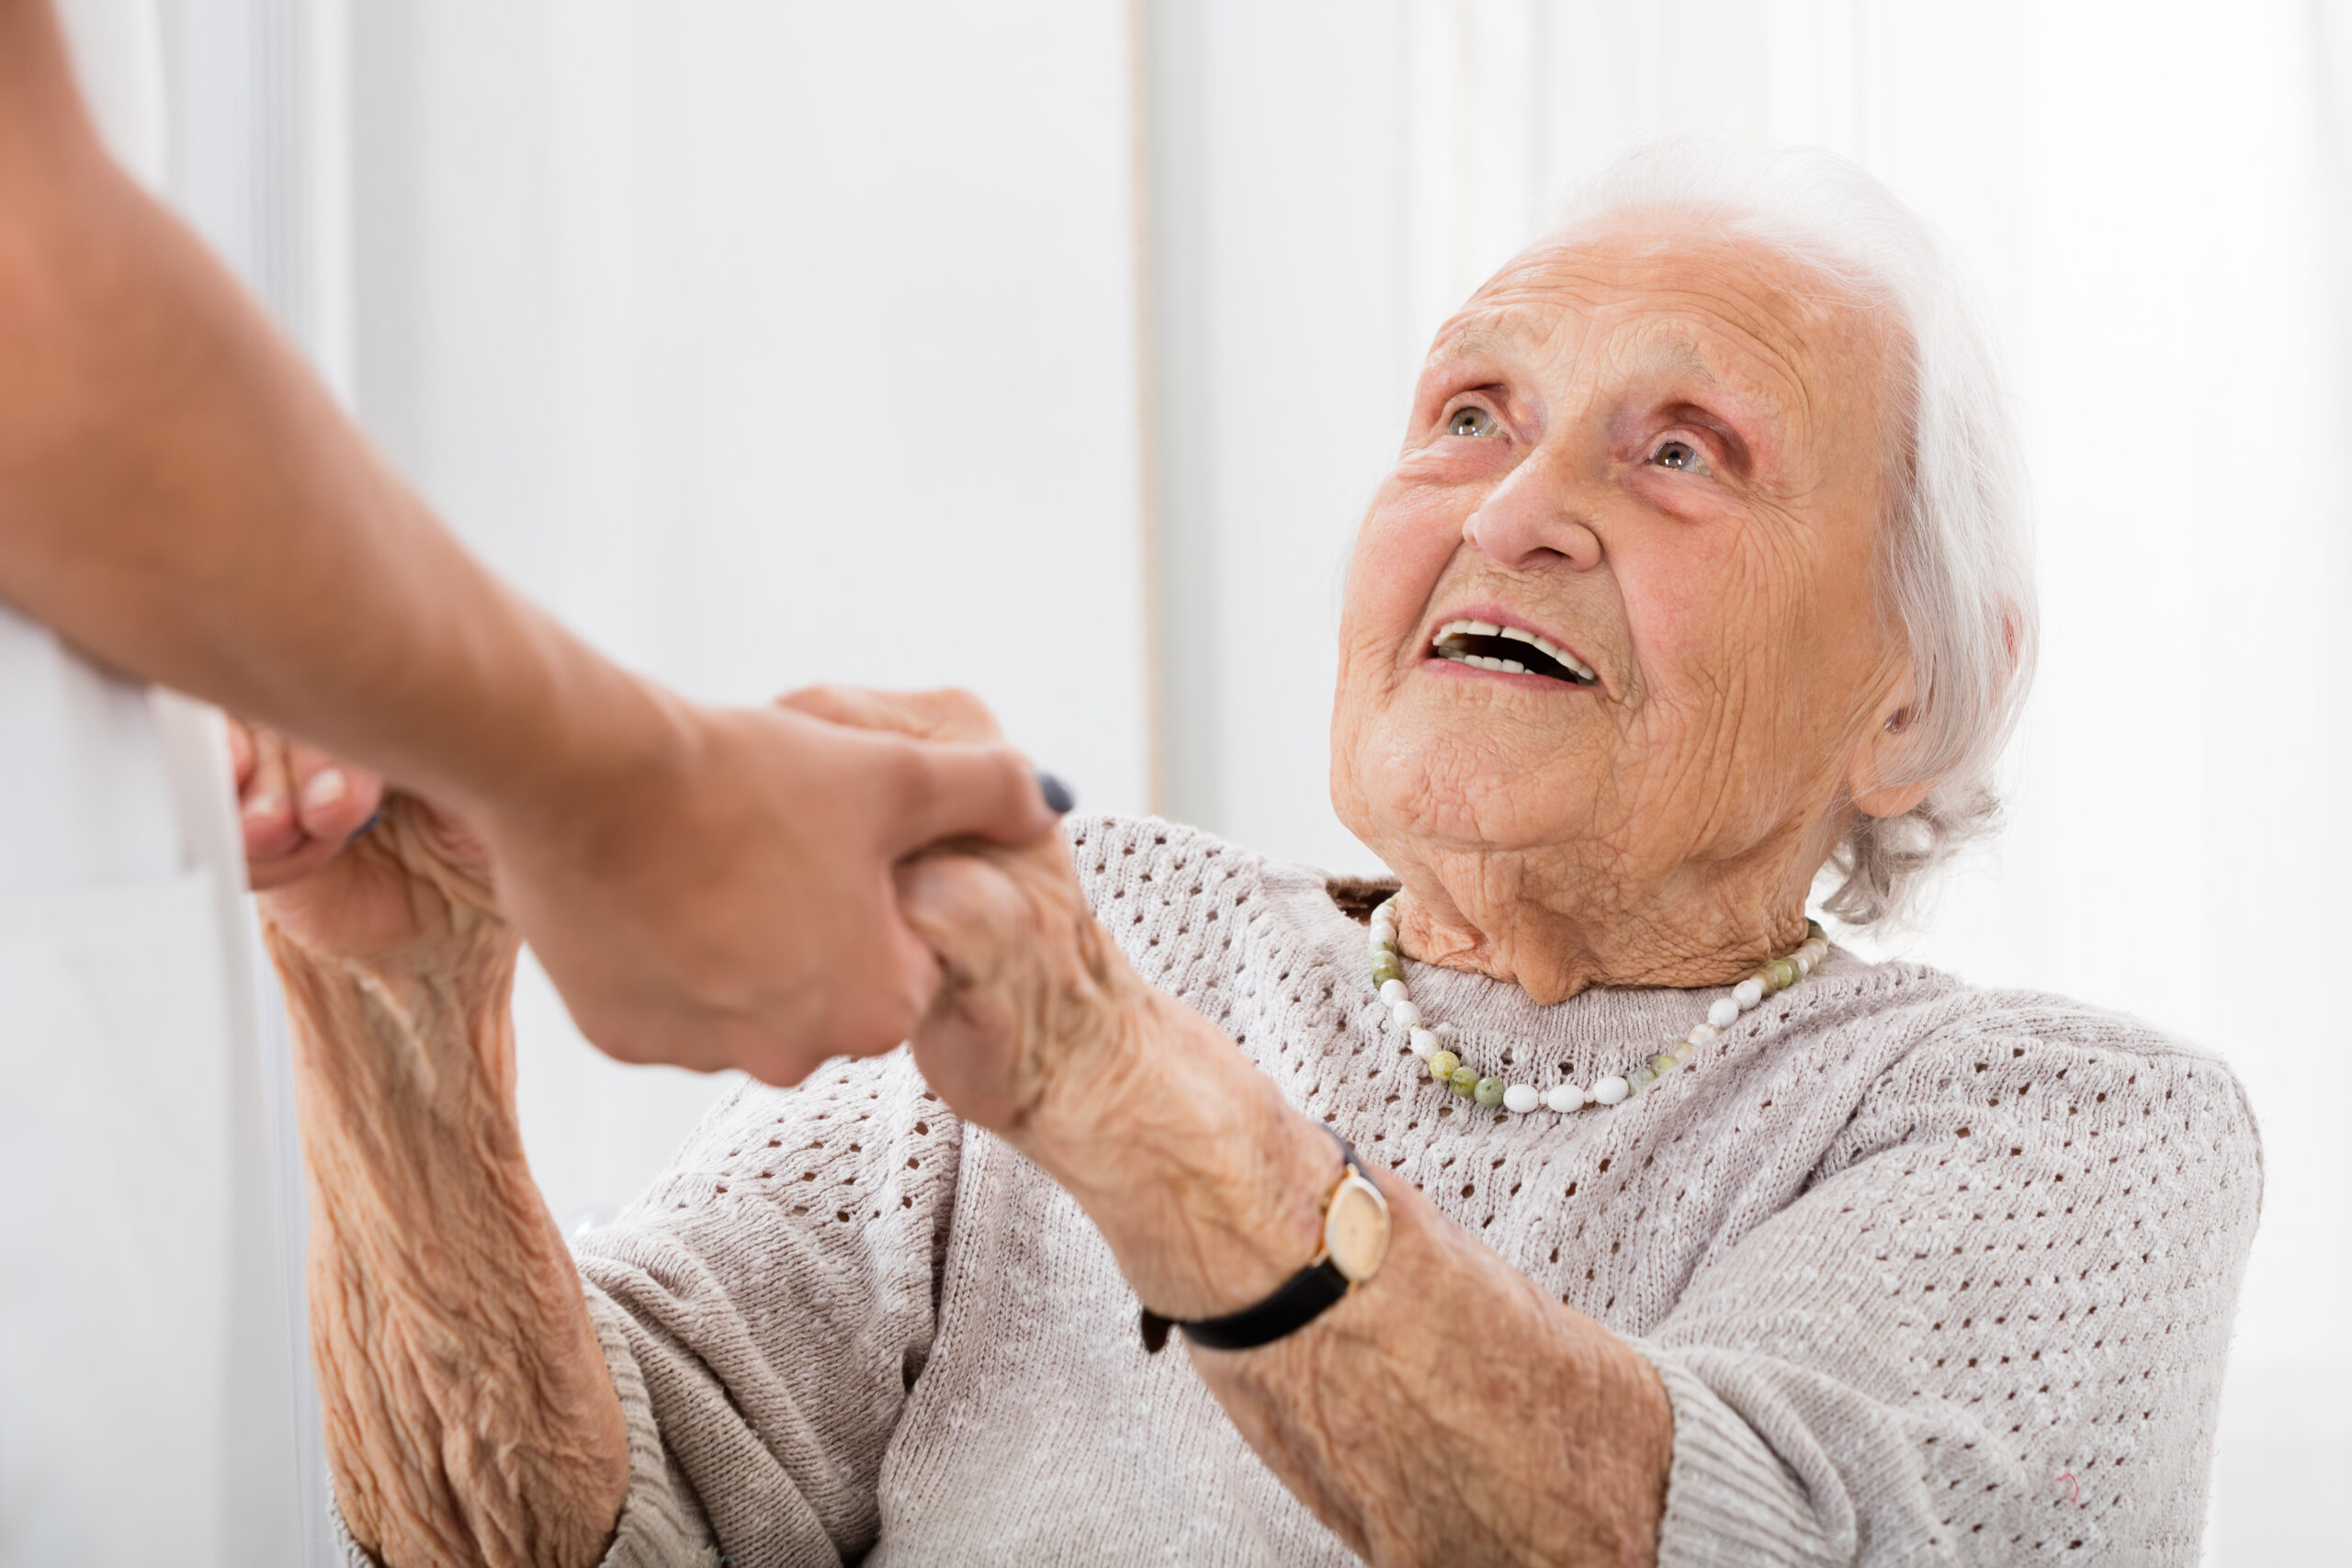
x,y
265,808
944,714
241,752
331,798
940,790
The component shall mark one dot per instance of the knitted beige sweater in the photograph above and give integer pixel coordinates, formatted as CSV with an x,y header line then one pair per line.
x,y
1930,1273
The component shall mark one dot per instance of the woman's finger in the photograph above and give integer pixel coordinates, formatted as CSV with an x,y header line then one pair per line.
x,y
277,871
966,910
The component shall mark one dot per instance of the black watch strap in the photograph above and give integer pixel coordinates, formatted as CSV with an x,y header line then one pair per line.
x,y
1299,1302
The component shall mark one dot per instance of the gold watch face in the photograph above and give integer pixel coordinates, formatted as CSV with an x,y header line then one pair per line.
x,y
1355,1229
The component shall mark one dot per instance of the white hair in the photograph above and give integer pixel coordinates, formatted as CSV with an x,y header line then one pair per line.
x,y
1956,557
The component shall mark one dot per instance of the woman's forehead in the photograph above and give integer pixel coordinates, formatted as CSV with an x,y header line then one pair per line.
x,y
1645,300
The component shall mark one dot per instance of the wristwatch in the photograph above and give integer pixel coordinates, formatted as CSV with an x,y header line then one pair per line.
x,y
1355,1238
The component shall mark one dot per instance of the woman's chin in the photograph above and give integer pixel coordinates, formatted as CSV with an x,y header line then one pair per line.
x,y
1468,793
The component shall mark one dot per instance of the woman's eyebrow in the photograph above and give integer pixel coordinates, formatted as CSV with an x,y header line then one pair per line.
x,y
1747,405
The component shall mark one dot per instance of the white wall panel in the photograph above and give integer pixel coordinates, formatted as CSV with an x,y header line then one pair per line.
x,y
768,344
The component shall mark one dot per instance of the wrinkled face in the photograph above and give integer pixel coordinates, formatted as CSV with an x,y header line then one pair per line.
x,y
1616,602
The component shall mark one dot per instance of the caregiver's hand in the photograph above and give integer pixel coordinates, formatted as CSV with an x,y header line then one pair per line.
x,y
725,899
298,806
726,902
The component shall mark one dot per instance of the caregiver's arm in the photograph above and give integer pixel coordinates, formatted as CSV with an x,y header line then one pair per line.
x,y
469,1415
1449,1411
181,498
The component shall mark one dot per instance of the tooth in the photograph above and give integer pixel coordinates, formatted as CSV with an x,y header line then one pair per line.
x,y
1551,648
1513,666
1455,629
1481,629
1518,635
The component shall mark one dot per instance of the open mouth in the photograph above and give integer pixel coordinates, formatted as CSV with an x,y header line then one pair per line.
x,y
1509,651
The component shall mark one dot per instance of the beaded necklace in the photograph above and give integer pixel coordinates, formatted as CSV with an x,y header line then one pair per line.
x,y
1433,1044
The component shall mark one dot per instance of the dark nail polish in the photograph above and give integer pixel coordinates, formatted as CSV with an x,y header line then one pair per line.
x,y
1056,794
362,831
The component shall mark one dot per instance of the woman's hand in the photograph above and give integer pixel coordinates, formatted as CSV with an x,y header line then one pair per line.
x,y
1033,993
347,870
445,1316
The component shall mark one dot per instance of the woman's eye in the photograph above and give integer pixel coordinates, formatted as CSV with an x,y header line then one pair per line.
x,y
1473,422
1681,456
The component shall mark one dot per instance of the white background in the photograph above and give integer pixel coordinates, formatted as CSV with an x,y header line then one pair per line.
x,y
1051,348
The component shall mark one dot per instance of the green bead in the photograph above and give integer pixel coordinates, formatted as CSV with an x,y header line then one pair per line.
x,y
1465,1081
1384,970
1662,1066
1441,1065
1784,973
1813,929
1641,1077
1489,1091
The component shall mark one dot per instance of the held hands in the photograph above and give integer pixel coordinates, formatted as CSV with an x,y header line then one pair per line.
x,y
729,902
1035,1003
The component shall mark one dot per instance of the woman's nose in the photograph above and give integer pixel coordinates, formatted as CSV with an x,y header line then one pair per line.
x,y
1532,516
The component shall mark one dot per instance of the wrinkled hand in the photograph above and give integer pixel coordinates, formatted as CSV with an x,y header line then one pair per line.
x,y
729,903
414,890
1033,995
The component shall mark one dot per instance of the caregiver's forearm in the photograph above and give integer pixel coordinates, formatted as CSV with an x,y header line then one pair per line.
x,y
1446,1412
469,1416
181,498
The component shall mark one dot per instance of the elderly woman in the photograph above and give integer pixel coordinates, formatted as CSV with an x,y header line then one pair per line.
x,y
1570,1200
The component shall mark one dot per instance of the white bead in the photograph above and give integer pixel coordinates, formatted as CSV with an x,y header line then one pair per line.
x,y
1803,961
1520,1098
1609,1091
1723,1014
1700,1034
1391,991
1564,1096
1407,1015
1749,992
1424,1044
1382,942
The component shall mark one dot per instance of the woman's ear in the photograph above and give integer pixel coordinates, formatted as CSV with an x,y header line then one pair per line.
x,y
1881,755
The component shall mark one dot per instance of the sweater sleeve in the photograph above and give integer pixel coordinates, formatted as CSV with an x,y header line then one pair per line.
x,y
1992,1330
764,1310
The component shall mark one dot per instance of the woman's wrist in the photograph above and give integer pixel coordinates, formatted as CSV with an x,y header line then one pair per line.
x,y
1203,1179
